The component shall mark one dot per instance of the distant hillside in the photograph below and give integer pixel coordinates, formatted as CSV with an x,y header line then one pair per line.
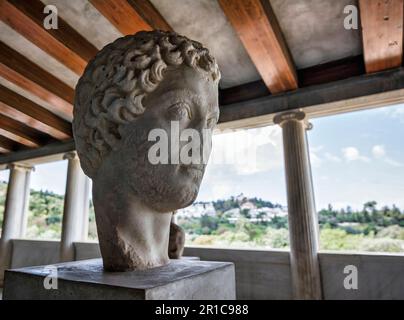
x,y
236,202
45,214
372,228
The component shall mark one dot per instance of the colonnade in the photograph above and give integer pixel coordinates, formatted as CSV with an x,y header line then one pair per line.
x,y
75,210
303,223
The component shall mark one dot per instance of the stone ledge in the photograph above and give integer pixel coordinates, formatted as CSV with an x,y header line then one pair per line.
x,y
182,279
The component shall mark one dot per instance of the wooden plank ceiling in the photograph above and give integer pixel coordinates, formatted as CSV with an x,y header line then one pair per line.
x,y
382,32
256,25
27,124
130,16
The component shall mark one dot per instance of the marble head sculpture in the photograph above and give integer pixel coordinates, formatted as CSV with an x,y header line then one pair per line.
x,y
134,85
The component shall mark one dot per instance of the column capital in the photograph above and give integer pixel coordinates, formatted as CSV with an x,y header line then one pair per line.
x,y
20,167
71,156
298,115
288,116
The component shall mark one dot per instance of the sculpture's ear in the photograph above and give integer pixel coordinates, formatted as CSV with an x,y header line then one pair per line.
x,y
108,131
130,129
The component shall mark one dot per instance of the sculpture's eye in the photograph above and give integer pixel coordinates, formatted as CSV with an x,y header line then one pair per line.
x,y
180,111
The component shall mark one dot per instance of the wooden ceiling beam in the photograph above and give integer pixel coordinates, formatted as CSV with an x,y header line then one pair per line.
x,y
6,144
9,145
331,71
320,74
258,29
382,33
22,133
16,138
64,43
33,115
243,92
22,72
131,16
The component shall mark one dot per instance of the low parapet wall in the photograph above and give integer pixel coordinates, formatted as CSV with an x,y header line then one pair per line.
x,y
261,274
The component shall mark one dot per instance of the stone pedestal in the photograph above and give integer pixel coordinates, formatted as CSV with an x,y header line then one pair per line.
x,y
182,279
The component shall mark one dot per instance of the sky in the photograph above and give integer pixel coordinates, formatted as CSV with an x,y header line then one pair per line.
x,y
356,157
359,156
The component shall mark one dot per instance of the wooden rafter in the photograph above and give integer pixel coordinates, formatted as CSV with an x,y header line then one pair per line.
x,y
382,33
243,92
8,145
22,133
331,71
23,110
19,70
131,16
319,74
64,43
258,29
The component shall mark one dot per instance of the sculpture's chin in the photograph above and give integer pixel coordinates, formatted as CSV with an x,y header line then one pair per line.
x,y
171,199
174,199
165,188
189,198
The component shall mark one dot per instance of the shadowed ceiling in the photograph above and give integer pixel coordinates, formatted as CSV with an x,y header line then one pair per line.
x,y
263,48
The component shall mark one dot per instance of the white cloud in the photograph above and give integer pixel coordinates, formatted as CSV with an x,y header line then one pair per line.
x,y
396,112
220,191
393,163
378,151
331,157
316,149
352,154
318,159
315,160
249,151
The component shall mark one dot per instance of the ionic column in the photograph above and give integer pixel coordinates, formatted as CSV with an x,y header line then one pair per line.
x,y
302,216
73,212
13,213
26,195
85,208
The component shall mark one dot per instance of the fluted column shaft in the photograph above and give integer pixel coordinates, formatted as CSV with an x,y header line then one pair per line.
x,y
74,212
26,195
302,216
14,213
86,208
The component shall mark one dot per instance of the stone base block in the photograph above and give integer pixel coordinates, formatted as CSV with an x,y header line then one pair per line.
x,y
183,279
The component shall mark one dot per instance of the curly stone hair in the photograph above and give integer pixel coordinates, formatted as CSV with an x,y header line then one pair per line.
x,y
115,81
